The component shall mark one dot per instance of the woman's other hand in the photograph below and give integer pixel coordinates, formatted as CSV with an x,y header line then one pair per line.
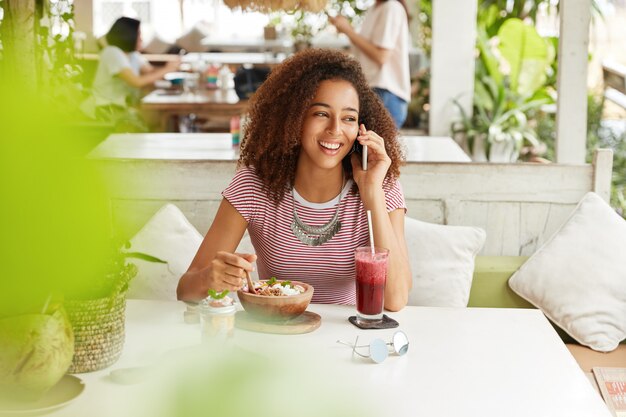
x,y
143,80
227,271
378,162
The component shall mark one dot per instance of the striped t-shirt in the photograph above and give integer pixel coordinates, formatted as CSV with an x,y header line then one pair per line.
x,y
329,268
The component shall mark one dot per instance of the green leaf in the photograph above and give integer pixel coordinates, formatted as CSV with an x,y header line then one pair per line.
x,y
490,15
286,284
143,256
214,295
271,281
527,53
488,59
521,108
482,97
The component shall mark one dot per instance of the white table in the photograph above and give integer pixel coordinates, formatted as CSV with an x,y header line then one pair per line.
x,y
433,149
217,146
461,362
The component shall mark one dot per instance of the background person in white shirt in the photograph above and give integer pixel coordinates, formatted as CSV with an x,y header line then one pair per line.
x,y
382,48
122,71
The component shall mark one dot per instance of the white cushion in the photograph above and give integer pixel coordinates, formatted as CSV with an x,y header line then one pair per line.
x,y
169,236
442,262
578,277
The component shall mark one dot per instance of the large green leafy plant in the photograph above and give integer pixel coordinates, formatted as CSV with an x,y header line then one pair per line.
x,y
509,86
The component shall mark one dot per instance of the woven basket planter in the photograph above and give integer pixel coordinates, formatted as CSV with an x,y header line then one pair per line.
x,y
98,326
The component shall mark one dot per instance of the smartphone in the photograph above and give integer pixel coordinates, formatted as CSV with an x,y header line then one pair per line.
x,y
362,150
364,158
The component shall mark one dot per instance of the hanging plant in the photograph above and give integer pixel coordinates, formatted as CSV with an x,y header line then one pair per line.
x,y
55,38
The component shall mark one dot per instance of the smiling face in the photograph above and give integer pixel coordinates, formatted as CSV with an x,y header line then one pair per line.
x,y
331,125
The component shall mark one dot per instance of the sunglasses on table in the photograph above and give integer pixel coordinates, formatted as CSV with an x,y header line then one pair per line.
x,y
379,349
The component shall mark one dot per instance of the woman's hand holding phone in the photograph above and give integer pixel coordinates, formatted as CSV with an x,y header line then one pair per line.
x,y
370,169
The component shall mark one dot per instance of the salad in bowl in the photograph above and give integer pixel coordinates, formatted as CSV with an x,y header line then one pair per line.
x,y
276,300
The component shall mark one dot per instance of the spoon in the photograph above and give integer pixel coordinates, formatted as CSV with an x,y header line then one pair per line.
x,y
250,285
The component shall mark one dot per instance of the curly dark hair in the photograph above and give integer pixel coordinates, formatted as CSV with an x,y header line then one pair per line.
x,y
271,142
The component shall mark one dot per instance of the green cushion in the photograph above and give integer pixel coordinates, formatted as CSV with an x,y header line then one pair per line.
x,y
490,286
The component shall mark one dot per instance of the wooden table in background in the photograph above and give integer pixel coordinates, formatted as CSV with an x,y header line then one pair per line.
x,y
160,106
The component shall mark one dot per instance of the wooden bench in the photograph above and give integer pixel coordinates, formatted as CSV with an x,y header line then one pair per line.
x,y
519,205
614,76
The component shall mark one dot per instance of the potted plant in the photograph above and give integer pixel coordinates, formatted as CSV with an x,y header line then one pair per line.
x,y
302,31
97,318
509,87
270,31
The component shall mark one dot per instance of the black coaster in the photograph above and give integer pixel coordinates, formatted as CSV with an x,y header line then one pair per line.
x,y
386,323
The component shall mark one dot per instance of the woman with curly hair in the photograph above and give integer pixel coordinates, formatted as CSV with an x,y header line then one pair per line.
x,y
301,191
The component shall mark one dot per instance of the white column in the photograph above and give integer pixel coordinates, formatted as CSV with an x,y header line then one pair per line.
x,y
571,115
83,18
452,62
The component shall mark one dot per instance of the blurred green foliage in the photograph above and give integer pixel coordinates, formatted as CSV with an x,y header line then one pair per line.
x,y
228,381
425,18
599,135
54,218
54,213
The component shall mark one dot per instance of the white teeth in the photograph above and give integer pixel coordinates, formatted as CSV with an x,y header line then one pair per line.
x,y
328,145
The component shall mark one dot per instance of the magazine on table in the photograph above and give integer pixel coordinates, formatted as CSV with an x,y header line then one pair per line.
x,y
612,384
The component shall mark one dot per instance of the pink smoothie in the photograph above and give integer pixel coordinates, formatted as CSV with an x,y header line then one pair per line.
x,y
371,275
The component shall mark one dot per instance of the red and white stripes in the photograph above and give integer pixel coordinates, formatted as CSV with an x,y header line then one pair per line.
x,y
329,268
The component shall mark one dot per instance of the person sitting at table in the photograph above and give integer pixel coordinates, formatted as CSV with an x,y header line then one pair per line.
x,y
122,70
301,192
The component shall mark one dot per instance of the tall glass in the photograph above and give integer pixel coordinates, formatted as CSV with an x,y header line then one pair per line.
x,y
371,277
